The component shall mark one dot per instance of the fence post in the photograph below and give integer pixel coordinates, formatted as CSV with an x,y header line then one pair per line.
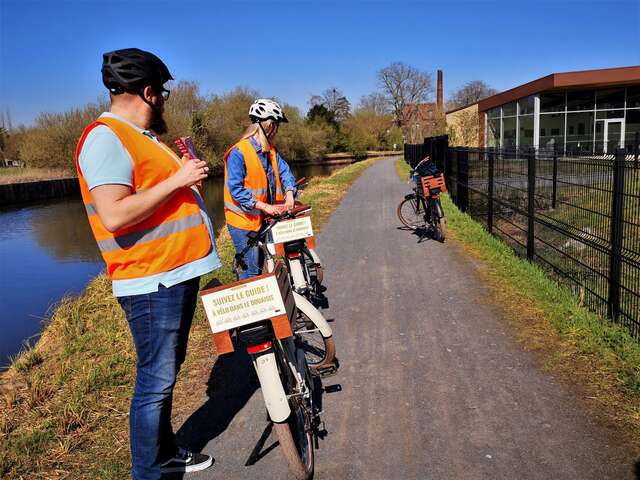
x,y
462,187
635,150
531,211
554,194
617,226
490,157
447,169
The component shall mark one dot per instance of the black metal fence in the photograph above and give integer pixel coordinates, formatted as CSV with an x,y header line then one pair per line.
x,y
578,217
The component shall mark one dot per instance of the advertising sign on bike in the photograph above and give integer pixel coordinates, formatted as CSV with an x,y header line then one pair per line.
x,y
243,303
290,230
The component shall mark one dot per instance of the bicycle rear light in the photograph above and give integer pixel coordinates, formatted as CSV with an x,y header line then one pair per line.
x,y
259,348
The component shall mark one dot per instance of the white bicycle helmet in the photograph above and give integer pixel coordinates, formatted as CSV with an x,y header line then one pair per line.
x,y
264,109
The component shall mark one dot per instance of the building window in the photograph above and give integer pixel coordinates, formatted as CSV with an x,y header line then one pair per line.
x,y
611,98
632,127
552,131
580,100
579,132
525,137
600,115
493,132
509,109
526,105
493,113
633,97
552,102
509,132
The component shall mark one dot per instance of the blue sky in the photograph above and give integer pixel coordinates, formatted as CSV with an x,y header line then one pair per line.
x,y
50,51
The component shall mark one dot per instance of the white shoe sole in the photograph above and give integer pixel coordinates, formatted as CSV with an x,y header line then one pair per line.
x,y
190,468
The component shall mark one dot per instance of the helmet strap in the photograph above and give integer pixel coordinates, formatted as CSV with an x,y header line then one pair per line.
x,y
264,133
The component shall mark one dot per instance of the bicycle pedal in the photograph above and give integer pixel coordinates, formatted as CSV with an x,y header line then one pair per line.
x,y
327,371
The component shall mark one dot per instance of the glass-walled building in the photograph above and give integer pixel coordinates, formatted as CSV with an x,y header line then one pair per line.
x,y
578,112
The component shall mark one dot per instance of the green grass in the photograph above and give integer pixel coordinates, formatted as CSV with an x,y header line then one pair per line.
x,y
546,316
64,402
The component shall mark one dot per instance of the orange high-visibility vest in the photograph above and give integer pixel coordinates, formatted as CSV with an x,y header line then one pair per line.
x,y
256,182
174,235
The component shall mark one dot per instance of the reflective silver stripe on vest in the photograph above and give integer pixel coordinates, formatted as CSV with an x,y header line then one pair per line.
x,y
163,230
241,210
91,209
258,191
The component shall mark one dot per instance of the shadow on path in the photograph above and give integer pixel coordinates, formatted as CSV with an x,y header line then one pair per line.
x,y
423,233
231,384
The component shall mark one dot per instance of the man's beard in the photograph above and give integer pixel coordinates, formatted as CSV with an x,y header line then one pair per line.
x,y
158,124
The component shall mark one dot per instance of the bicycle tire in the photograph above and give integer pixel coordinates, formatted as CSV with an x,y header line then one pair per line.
x,y
411,213
295,434
296,445
439,223
442,227
319,351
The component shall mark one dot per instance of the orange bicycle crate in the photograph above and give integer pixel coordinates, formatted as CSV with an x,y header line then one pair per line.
x,y
433,185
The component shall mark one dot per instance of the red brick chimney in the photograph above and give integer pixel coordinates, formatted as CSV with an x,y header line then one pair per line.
x,y
439,101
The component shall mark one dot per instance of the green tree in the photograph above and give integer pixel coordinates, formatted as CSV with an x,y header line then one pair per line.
x,y
52,141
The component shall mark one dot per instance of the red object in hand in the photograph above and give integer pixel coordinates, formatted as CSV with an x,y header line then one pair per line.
x,y
186,147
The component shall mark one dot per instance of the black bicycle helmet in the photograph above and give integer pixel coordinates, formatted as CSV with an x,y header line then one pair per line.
x,y
130,69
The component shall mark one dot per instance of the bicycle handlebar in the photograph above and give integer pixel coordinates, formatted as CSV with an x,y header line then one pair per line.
x,y
256,237
425,159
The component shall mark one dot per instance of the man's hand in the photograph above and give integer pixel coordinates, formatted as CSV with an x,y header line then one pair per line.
x,y
191,173
289,201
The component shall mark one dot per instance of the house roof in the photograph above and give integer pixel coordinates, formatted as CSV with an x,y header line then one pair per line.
x,y
585,78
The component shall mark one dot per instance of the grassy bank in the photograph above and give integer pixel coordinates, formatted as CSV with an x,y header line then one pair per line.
x,y
21,175
598,357
64,403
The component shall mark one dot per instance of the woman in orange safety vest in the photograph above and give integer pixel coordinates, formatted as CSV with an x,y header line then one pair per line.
x,y
257,181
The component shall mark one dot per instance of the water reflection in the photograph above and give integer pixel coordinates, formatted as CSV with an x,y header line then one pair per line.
x,y
62,229
47,250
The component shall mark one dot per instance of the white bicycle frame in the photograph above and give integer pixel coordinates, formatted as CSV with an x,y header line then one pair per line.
x,y
265,364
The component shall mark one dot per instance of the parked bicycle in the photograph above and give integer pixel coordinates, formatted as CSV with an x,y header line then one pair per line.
x,y
289,342
311,326
422,209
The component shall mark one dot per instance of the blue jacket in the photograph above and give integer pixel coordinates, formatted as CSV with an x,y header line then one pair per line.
x,y
237,171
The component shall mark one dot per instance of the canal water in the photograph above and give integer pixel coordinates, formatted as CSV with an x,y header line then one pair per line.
x,y
47,251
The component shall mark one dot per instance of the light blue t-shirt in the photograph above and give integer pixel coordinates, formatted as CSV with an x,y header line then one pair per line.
x,y
104,160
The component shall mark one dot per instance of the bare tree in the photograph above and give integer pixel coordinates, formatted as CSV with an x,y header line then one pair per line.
x,y
333,100
404,85
470,92
375,102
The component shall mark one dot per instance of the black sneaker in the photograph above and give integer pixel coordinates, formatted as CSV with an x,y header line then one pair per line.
x,y
186,461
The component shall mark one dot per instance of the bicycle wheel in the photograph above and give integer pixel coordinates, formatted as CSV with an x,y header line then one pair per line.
x,y
439,222
319,352
411,213
296,433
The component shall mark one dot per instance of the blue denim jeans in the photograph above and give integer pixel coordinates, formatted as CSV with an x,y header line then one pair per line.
x,y
160,324
252,257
